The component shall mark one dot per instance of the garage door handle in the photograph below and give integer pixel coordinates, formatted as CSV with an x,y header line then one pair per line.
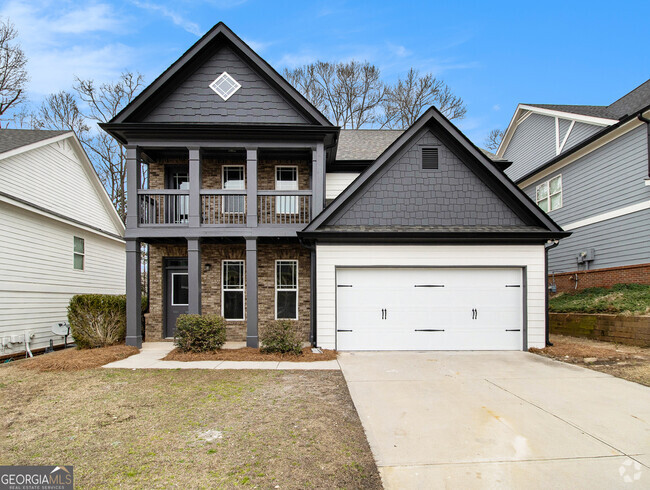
x,y
513,329
344,330
428,330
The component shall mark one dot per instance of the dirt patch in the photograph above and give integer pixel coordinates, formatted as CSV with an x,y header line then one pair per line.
x,y
622,361
76,359
187,428
250,354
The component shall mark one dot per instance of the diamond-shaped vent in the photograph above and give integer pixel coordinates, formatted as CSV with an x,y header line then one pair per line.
x,y
225,86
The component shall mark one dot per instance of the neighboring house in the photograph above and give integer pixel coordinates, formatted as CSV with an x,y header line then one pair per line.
x,y
425,244
588,167
59,235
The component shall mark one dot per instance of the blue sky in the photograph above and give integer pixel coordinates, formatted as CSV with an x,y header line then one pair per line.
x,y
493,54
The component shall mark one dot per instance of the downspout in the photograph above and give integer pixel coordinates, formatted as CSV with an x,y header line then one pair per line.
x,y
647,125
312,290
553,244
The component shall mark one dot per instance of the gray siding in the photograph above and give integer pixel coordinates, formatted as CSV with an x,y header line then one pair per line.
x,y
194,101
564,124
606,179
617,242
580,132
532,144
405,195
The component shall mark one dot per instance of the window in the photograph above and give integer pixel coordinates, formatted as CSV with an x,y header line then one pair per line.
x,y
286,290
232,285
179,205
286,179
180,289
548,195
233,179
429,158
79,253
225,86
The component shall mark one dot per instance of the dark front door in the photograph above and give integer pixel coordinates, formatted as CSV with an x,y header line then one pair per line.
x,y
176,294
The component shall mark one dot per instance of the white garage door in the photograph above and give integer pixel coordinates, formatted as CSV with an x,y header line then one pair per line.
x,y
429,309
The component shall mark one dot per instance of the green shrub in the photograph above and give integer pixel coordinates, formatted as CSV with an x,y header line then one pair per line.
x,y
98,320
281,336
200,333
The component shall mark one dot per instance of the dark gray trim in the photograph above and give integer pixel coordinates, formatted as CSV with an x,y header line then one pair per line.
x,y
133,294
194,174
208,43
312,299
318,179
251,187
194,275
164,231
524,311
457,142
61,216
432,237
252,338
132,185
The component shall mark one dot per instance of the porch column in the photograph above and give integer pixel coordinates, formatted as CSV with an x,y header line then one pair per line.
x,y
318,180
194,276
251,187
133,294
251,293
132,185
194,217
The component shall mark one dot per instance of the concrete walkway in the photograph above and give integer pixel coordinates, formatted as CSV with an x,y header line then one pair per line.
x,y
151,354
499,420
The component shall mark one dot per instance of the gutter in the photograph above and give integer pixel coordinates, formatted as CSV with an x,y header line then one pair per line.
x,y
647,125
553,244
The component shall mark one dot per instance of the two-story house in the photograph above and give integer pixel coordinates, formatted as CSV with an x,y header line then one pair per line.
x,y
588,167
424,243
59,236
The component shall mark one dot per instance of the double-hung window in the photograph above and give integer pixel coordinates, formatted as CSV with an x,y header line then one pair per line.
x,y
79,253
286,289
232,287
286,179
548,195
233,179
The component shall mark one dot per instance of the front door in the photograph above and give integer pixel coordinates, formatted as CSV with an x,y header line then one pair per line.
x,y
176,294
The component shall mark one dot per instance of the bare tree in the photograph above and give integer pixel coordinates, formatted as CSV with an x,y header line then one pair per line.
x,y
348,93
13,74
409,97
104,102
61,111
493,140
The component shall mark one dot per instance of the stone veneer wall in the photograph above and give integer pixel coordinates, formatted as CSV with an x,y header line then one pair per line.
x,y
214,254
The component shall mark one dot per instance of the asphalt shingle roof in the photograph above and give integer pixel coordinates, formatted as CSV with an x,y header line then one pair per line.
x,y
364,144
11,139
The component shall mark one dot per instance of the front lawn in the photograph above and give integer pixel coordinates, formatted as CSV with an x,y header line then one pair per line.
x,y
186,428
621,298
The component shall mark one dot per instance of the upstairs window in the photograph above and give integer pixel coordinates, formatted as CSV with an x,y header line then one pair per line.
x,y
286,179
286,290
548,195
233,179
79,253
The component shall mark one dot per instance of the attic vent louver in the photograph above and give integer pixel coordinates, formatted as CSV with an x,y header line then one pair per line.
x,y
225,86
429,158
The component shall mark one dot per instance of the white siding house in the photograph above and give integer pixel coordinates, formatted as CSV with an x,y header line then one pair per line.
x,y
59,235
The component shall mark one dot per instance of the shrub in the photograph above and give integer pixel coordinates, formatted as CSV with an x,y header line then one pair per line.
x,y
200,333
281,336
98,320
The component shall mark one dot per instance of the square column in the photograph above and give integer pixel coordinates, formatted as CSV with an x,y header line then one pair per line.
x,y
251,293
194,218
318,179
132,185
251,187
194,276
133,294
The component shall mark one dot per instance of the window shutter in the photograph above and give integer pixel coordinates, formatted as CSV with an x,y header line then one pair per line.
x,y
429,158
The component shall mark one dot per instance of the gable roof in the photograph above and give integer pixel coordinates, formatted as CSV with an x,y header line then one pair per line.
x,y
11,139
509,191
173,75
365,144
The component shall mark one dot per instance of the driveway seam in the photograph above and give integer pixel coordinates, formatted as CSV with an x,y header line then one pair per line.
x,y
500,461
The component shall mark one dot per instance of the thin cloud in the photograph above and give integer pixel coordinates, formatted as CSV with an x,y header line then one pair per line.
x,y
258,46
175,17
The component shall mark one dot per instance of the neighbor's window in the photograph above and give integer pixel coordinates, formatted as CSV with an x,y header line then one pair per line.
x,y
286,289
232,298
549,194
79,253
233,178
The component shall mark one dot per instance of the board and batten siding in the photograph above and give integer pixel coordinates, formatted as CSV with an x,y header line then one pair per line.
x,y
330,256
337,182
609,178
53,177
38,277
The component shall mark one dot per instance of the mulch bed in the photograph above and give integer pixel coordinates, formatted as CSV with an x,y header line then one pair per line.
x,y
249,354
77,359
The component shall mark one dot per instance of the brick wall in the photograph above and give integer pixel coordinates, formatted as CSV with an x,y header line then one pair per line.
x,y
214,254
566,281
631,330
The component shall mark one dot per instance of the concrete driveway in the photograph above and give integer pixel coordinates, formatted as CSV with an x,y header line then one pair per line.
x,y
499,420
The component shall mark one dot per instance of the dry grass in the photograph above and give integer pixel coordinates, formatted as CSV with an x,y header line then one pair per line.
x,y
142,429
622,361
249,354
77,359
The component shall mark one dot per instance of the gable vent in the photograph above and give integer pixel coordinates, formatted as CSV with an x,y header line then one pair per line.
x,y
429,158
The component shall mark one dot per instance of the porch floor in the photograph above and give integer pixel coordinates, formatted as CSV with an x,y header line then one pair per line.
x,y
152,353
